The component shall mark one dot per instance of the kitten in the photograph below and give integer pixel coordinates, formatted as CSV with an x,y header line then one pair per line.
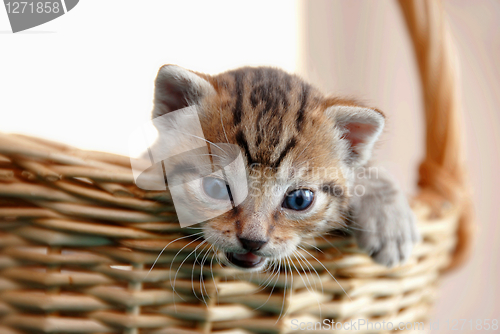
x,y
306,157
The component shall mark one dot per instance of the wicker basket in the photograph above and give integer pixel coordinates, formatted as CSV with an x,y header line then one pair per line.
x,y
78,239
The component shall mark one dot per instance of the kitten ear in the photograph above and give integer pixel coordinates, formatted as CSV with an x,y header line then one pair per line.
x,y
360,127
177,88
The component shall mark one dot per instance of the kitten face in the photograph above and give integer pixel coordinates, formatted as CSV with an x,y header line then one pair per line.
x,y
298,148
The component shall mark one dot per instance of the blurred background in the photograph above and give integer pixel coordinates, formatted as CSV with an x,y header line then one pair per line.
x,y
86,79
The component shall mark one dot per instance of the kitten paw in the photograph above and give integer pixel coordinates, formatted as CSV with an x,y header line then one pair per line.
x,y
385,228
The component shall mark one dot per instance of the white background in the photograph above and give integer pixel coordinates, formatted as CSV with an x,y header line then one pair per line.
x,y
86,78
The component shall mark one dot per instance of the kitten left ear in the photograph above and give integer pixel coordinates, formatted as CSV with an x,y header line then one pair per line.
x,y
177,88
360,127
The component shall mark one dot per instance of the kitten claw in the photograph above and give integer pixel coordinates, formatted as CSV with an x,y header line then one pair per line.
x,y
387,230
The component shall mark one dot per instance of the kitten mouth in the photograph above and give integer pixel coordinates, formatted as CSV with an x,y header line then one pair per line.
x,y
246,260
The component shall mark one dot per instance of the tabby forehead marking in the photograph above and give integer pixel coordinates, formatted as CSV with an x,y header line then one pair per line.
x,y
303,103
290,145
242,142
265,102
238,107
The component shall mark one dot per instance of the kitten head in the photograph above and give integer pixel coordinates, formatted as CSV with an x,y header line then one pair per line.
x,y
299,149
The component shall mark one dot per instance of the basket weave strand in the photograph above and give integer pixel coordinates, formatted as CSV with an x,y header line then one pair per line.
x,y
76,257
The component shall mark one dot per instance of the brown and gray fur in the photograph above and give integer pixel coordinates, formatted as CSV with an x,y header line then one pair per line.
x,y
283,124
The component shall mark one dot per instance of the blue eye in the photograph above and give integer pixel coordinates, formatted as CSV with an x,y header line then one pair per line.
x,y
216,188
299,199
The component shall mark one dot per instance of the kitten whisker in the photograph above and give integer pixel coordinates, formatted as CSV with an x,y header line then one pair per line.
x,y
192,270
284,292
272,289
326,271
212,273
202,280
201,274
222,123
287,258
164,248
267,280
172,262
312,290
313,246
310,268
300,154
207,141
329,243
305,273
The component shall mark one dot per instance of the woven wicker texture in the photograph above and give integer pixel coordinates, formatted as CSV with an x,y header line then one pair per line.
x,y
78,240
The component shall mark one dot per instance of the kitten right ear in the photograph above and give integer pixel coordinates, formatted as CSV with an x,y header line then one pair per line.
x,y
177,88
359,127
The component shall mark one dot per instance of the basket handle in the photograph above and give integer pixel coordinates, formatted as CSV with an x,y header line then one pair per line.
x,y
442,173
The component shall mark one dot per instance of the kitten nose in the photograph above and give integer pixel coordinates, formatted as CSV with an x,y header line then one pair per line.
x,y
252,245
